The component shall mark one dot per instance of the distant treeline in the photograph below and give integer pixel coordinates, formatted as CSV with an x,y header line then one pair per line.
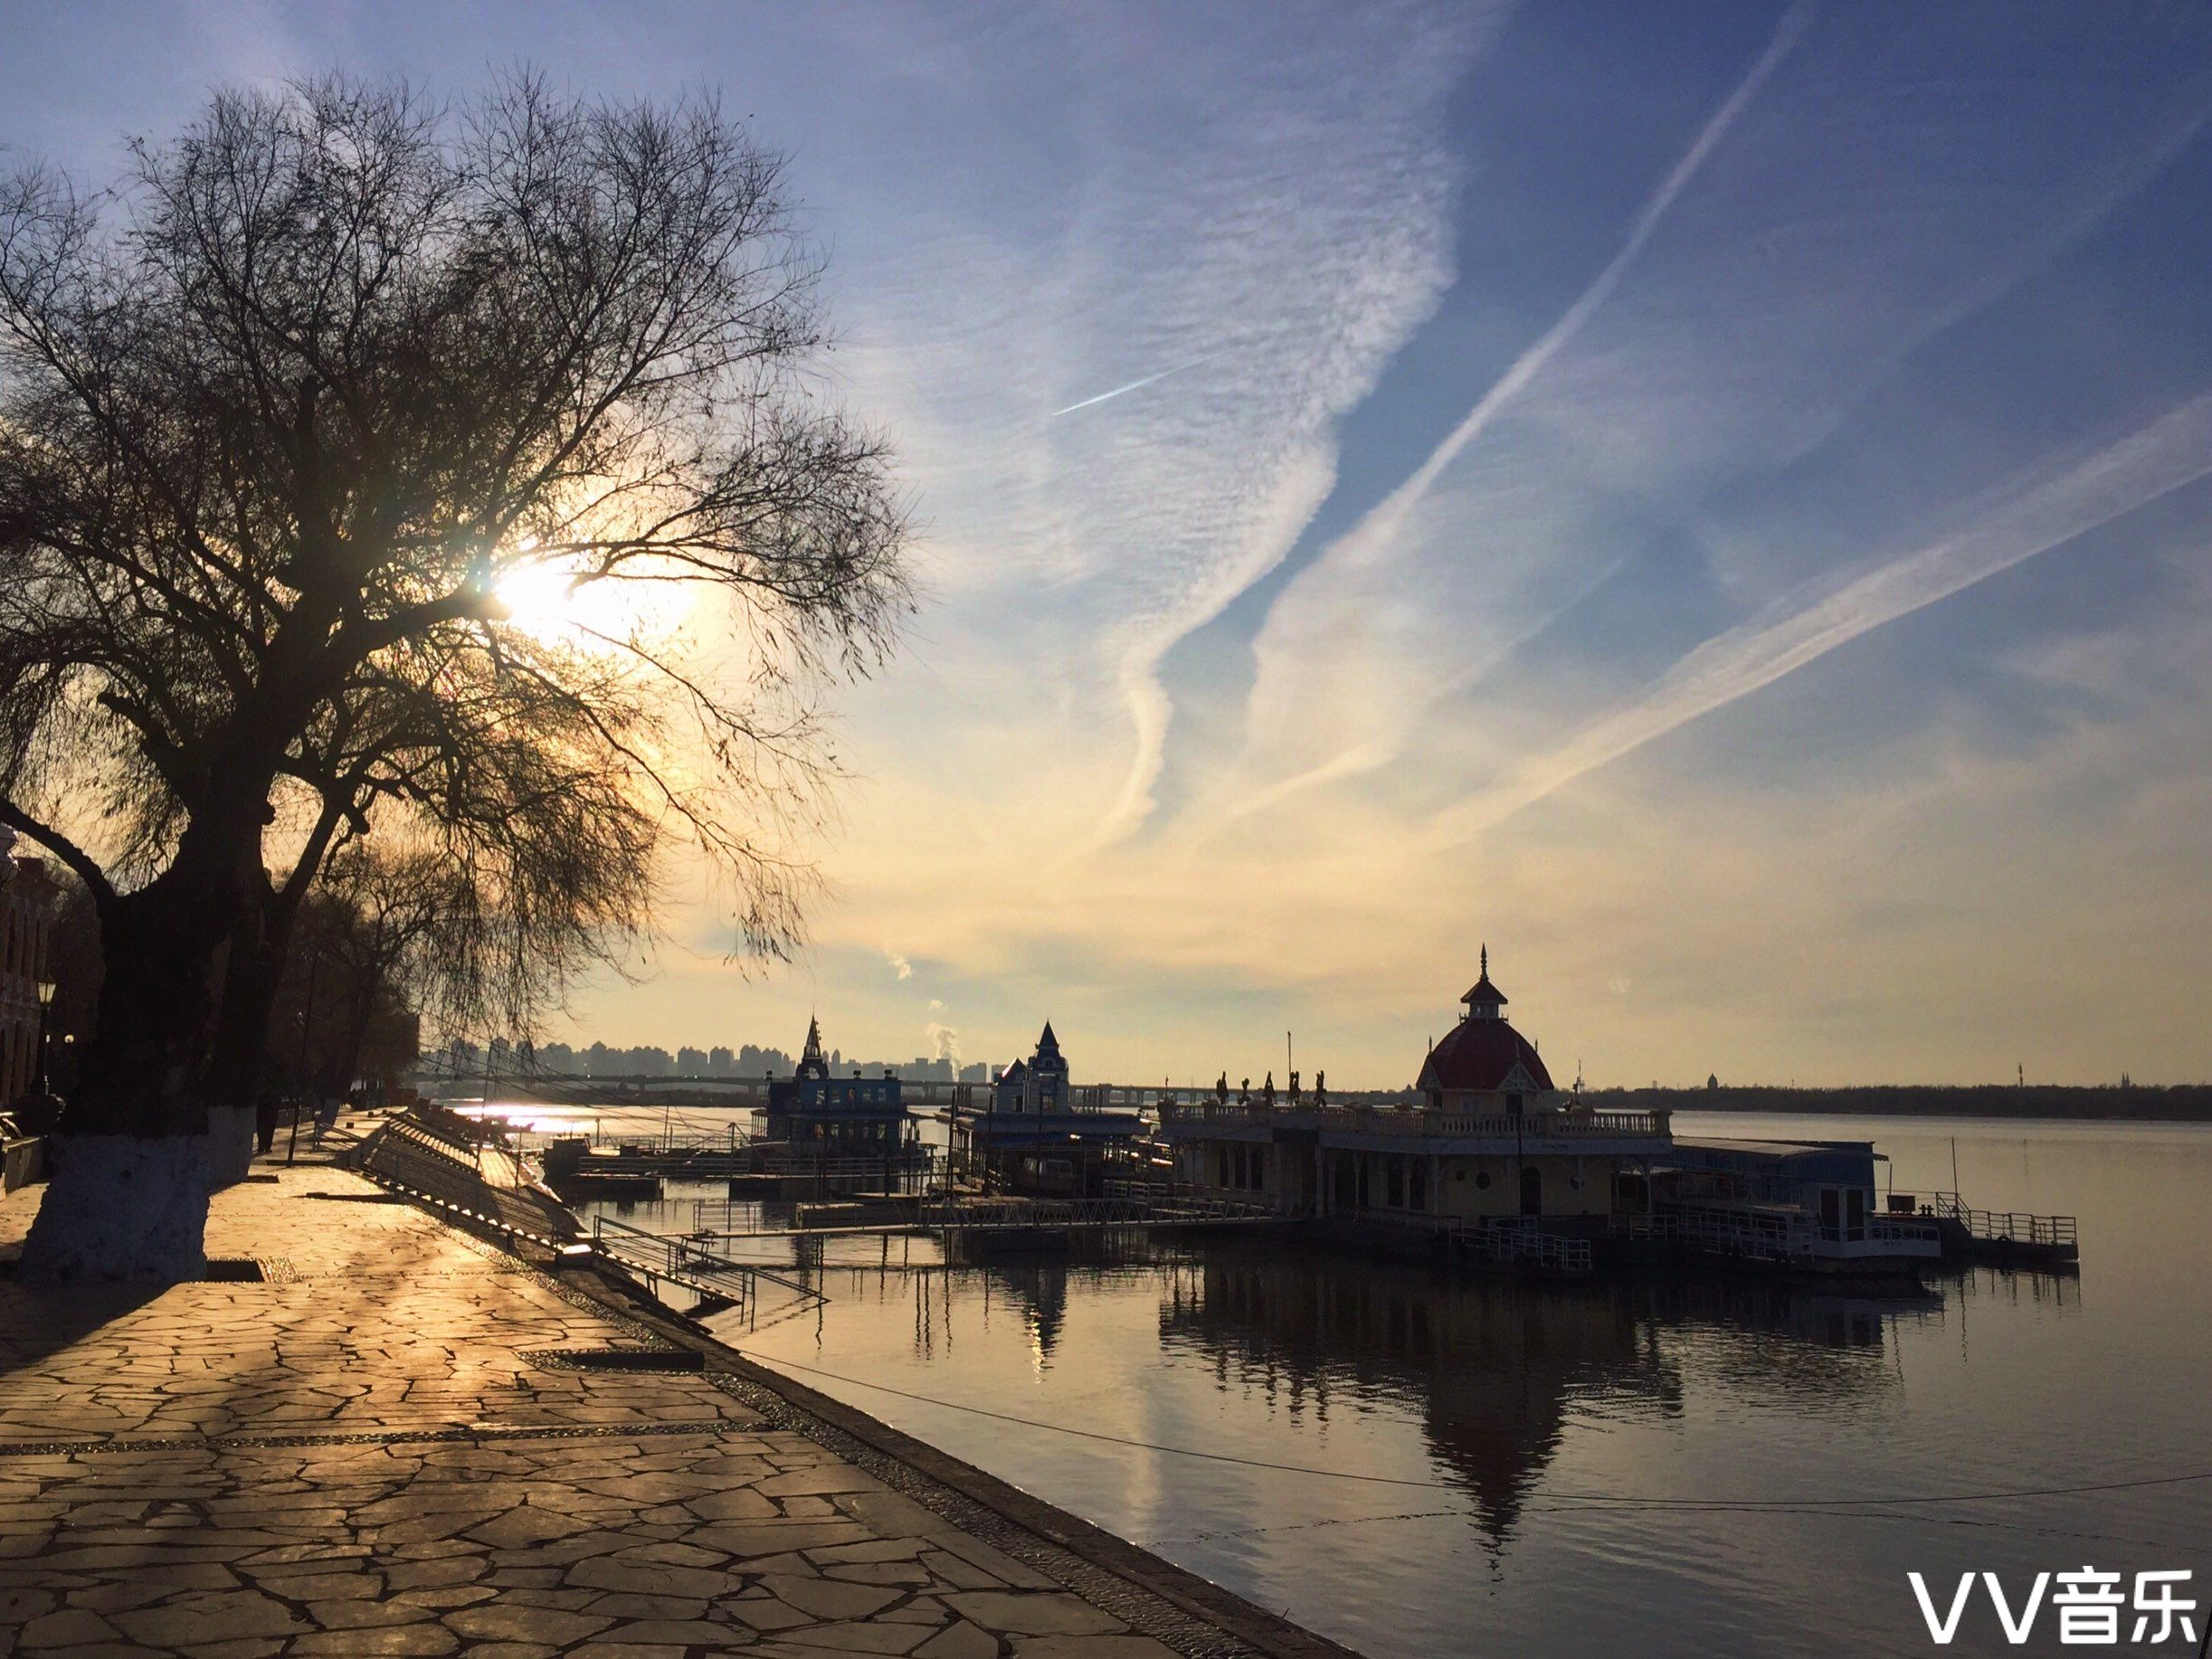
x,y
2181,1103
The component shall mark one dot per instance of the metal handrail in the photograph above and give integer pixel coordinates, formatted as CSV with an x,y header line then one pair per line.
x,y
1516,1244
2005,1225
684,1260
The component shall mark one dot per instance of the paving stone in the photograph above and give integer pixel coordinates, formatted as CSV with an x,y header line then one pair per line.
x,y
1091,1647
650,1577
960,1641
765,1613
857,1637
962,1574
875,1549
325,1586
921,1610
893,1514
997,1562
401,1640
211,1616
527,1525
451,1596
619,1605
369,1615
827,1598
505,1621
22,1604
738,1504
65,1628
774,1537
567,1600
671,1632
1033,1613
909,1573
427,1575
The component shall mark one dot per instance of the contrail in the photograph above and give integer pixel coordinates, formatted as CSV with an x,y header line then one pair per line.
x,y
2169,454
1132,386
1379,526
1368,538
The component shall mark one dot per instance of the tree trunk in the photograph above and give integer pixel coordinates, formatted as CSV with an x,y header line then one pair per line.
x,y
231,1085
251,982
128,1198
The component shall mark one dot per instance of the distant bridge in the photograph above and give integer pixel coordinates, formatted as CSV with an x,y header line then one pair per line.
x,y
573,1088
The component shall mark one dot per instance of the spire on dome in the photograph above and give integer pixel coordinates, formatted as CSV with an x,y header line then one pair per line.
x,y
1483,999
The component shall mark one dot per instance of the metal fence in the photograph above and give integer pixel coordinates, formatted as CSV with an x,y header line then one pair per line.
x,y
2005,1225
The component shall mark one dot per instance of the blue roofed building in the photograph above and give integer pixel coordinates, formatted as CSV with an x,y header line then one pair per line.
x,y
817,1115
1037,1133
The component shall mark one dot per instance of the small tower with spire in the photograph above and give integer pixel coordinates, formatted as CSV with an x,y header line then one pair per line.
x,y
1484,1000
812,1063
1048,1073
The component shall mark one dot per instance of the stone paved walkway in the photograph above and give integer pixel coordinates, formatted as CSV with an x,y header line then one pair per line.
x,y
362,1456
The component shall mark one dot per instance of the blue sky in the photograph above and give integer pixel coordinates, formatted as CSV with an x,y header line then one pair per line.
x,y
1709,499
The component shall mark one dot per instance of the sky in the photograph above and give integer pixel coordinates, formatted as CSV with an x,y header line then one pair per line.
x,y
1710,501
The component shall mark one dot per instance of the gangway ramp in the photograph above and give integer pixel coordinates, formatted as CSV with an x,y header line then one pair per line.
x,y
694,1264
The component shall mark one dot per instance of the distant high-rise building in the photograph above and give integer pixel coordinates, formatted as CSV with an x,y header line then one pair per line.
x,y
720,1063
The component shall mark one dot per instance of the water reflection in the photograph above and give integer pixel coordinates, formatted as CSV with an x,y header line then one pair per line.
x,y
1497,1370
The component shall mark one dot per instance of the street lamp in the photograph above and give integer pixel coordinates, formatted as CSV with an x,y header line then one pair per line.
x,y
46,988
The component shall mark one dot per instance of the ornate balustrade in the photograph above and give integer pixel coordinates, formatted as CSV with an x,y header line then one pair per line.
x,y
1568,1124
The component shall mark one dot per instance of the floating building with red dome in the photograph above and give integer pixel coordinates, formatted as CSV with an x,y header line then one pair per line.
x,y
1488,1154
1491,1138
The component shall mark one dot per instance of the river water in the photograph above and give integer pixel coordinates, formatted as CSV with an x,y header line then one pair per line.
x,y
1418,1463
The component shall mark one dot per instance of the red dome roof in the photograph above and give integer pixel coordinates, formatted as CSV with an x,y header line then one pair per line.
x,y
1480,1053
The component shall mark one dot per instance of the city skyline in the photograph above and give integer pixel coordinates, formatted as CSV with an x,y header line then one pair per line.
x,y
1713,506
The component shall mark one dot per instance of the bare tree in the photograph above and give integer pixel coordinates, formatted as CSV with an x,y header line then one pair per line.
x,y
381,937
283,419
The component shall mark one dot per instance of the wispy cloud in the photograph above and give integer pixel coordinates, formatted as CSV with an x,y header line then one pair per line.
x,y
1381,532
1381,528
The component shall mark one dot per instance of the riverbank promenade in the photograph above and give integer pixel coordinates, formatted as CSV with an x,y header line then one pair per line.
x,y
386,1444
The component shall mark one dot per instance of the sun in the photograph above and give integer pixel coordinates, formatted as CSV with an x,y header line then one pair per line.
x,y
550,602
